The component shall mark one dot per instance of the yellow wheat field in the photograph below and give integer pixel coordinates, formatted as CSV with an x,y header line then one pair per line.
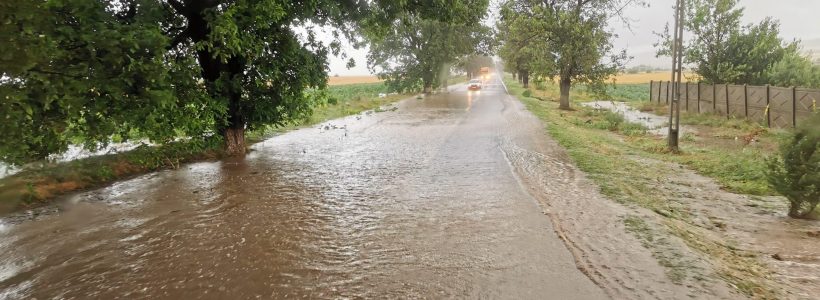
x,y
342,80
647,77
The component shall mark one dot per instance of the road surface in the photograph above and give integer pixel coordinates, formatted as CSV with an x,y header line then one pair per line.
x,y
419,202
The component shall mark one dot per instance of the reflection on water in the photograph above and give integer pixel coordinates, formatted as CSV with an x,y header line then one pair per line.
x,y
656,124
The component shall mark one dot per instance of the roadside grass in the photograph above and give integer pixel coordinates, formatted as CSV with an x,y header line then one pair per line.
x,y
36,185
729,150
611,155
658,243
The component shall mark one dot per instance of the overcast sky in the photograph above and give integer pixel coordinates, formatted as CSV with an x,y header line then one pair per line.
x,y
799,19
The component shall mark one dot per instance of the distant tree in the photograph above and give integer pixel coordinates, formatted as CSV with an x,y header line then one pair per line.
x,y
721,50
795,70
417,52
564,39
472,64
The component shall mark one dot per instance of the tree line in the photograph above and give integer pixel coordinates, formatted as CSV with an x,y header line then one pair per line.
x,y
87,70
566,40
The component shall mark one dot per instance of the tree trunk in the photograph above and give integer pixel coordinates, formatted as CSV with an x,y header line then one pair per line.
x,y
796,213
234,141
428,89
515,77
520,76
525,75
233,131
565,84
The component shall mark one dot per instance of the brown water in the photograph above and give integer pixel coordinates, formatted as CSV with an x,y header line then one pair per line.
x,y
420,202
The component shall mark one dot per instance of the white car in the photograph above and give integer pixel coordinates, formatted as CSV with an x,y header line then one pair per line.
x,y
474,84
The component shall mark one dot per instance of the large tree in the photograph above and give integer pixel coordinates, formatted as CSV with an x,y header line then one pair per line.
x,y
90,69
417,52
722,50
565,39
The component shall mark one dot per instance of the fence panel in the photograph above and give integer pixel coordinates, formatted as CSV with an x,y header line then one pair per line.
x,y
781,112
721,99
737,101
693,96
653,91
685,98
662,92
706,98
807,100
757,101
773,106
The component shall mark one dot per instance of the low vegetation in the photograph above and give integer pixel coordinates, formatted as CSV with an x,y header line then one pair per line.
x,y
796,174
728,150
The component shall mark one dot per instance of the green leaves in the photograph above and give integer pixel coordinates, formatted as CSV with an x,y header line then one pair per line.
x,y
722,50
796,174
87,71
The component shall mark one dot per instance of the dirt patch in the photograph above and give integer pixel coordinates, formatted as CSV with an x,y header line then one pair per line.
x,y
750,236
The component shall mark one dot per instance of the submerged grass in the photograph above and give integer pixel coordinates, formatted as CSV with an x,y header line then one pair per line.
x,y
611,153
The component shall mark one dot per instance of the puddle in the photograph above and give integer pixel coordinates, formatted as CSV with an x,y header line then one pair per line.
x,y
75,152
657,125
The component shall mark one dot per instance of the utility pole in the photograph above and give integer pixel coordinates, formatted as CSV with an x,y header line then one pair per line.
x,y
677,73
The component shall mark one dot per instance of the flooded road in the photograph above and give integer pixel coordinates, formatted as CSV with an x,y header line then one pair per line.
x,y
420,202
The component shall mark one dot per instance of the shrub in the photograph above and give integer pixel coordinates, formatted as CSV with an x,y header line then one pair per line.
x,y
613,120
527,93
796,173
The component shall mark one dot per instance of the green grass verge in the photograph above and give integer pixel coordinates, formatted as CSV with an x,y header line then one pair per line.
x,y
731,151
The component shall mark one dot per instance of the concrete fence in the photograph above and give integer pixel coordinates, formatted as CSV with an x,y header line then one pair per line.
x,y
772,106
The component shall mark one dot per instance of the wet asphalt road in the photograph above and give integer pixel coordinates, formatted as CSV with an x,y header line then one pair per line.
x,y
420,202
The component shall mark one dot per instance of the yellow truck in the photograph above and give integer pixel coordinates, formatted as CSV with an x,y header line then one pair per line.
x,y
485,73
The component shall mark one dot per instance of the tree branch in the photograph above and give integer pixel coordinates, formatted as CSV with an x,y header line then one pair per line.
x,y
178,6
179,38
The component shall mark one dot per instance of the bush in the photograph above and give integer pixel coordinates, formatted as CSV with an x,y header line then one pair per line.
x,y
527,93
613,120
796,174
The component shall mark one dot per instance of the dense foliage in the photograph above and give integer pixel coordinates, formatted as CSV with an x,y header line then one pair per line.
x,y
567,40
722,50
168,69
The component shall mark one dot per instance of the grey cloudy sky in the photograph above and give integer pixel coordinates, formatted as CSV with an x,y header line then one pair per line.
x,y
799,19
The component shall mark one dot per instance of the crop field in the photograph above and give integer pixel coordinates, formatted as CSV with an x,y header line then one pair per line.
x,y
647,77
344,80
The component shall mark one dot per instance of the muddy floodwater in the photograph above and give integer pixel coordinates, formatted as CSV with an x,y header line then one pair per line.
x,y
420,202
